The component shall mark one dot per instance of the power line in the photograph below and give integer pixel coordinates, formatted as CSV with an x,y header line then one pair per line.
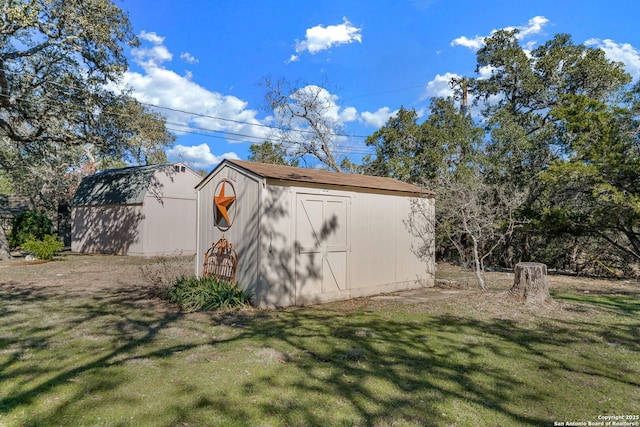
x,y
210,133
288,144
197,130
192,113
208,116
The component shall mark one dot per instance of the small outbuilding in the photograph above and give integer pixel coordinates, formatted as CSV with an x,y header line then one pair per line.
x,y
305,236
141,210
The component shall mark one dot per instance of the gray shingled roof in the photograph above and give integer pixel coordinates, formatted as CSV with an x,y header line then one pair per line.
x,y
315,176
125,186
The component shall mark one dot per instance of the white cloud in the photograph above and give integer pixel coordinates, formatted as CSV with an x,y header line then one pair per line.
x,y
533,26
151,37
622,52
157,85
154,55
474,43
378,118
440,86
348,114
187,57
485,72
321,38
197,156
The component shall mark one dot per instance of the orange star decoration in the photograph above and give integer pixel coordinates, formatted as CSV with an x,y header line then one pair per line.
x,y
223,203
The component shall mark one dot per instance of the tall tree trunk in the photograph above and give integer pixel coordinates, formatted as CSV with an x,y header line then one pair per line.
x,y
5,254
477,261
478,265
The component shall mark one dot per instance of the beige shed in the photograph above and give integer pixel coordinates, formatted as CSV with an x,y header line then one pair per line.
x,y
141,210
305,236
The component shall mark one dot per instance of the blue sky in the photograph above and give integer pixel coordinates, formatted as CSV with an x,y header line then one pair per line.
x,y
202,61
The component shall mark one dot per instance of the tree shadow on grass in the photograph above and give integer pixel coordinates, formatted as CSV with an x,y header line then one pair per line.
x,y
332,365
390,372
112,317
405,358
626,302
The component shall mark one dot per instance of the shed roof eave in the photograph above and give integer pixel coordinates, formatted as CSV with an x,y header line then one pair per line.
x,y
313,176
226,162
419,194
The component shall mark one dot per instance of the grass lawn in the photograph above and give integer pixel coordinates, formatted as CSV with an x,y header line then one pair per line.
x,y
75,352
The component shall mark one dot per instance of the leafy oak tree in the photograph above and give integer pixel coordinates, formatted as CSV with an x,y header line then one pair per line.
x,y
554,163
526,135
597,186
58,61
424,153
396,144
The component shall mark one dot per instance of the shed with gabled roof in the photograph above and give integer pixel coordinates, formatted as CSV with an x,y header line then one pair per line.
x,y
305,235
139,210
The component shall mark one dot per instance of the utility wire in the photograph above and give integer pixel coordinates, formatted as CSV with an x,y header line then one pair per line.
x,y
184,128
193,113
287,144
196,130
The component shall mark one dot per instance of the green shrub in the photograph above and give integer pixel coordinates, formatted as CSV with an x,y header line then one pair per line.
x,y
29,225
207,293
45,248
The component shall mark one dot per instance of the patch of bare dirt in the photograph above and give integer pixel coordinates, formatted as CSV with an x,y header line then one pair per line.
x,y
98,275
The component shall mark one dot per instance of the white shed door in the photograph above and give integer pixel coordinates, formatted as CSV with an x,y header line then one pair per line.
x,y
322,244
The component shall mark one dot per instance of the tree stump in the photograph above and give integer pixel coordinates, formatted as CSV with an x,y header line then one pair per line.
x,y
530,283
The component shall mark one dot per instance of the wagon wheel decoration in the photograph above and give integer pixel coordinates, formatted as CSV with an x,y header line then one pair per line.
x,y
224,205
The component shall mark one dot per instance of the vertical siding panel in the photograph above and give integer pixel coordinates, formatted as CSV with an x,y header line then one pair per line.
x,y
374,244
244,232
198,265
169,227
278,246
404,256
